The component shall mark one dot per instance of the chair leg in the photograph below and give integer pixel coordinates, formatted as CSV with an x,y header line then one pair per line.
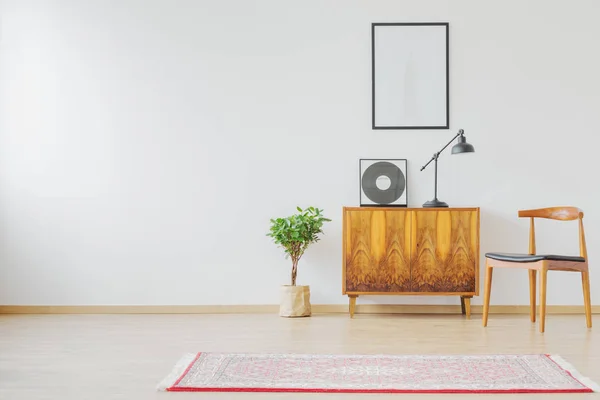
x,y
585,280
543,276
532,279
487,292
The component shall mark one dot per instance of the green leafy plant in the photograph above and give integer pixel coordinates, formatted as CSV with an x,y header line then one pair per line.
x,y
296,232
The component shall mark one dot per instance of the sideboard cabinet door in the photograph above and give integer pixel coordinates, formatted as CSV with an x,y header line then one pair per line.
x,y
377,251
444,251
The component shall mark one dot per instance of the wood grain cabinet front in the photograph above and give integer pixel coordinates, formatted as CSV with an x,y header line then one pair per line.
x,y
411,251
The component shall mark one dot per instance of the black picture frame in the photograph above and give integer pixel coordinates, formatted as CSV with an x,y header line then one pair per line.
x,y
403,204
374,26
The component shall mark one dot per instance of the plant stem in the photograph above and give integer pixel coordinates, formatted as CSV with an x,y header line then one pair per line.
x,y
294,270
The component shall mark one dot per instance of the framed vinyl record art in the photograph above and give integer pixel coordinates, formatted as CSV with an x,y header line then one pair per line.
x,y
383,182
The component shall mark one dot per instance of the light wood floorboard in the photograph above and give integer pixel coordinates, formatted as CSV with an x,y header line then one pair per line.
x,y
125,356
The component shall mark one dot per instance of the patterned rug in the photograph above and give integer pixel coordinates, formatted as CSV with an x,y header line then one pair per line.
x,y
244,372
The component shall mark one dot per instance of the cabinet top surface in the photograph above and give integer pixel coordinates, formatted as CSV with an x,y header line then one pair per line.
x,y
379,208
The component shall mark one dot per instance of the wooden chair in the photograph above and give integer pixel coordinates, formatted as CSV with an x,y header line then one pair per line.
x,y
542,263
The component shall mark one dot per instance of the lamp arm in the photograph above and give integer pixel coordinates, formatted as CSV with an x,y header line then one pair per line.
x,y
429,162
436,155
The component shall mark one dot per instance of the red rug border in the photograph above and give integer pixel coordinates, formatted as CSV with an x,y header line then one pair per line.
x,y
174,387
398,391
186,371
548,356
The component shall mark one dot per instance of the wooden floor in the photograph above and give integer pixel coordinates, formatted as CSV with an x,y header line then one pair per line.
x,y
125,356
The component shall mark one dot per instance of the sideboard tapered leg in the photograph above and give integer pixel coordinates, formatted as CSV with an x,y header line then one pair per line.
x,y
352,298
466,304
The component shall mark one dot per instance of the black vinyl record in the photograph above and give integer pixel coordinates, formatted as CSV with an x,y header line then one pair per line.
x,y
383,182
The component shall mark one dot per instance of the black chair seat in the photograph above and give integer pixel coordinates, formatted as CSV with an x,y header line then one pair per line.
x,y
525,258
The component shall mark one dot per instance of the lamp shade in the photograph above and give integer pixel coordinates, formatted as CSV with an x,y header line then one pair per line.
x,y
462,146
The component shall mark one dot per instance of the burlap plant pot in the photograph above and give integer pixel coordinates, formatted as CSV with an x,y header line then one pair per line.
x,y
295,301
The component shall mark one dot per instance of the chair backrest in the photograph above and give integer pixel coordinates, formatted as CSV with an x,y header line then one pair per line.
x,y
556,213
560,213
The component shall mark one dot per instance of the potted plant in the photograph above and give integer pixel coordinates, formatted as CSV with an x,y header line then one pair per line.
x,y
294,234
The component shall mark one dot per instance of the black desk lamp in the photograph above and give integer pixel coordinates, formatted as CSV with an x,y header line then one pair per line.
x,y
461,147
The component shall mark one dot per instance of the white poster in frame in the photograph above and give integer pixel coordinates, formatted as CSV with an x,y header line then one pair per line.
x,y
410,75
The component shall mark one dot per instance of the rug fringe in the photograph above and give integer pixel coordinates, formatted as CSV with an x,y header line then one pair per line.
x,y
564,364
176,372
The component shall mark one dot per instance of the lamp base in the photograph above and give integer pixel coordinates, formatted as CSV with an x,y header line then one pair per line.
x,y
435,203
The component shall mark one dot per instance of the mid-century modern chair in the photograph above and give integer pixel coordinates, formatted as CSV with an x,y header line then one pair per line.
x,y
542,263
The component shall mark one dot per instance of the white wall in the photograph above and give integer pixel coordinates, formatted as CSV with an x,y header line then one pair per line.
x,y
144,144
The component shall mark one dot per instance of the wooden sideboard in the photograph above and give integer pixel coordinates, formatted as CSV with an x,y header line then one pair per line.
x,y
410,251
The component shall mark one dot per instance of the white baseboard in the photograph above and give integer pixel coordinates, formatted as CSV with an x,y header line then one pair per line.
x,y
273,309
